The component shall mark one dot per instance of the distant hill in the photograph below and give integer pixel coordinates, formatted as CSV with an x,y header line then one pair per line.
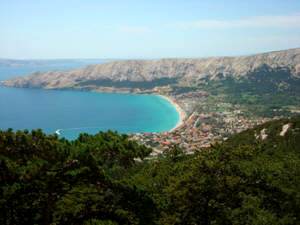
x,y
147,74
43,62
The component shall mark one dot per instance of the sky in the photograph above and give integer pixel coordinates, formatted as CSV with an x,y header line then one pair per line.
x,y
140,29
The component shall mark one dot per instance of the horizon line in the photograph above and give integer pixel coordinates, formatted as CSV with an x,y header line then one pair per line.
x,y
145,58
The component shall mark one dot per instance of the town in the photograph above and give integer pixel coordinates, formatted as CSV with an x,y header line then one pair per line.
x,y
202,125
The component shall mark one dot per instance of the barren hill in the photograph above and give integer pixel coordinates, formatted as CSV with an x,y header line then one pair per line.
x,y
150,73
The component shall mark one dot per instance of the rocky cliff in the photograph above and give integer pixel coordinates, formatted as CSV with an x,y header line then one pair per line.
x,y
150,73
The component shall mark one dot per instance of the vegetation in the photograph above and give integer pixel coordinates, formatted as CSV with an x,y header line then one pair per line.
x,y
108,179
49,181
129,84
265,92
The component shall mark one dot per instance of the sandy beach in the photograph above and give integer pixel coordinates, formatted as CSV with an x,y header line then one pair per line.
x,y
182,114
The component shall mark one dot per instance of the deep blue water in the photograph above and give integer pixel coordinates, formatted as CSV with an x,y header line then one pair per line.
x,y
74,112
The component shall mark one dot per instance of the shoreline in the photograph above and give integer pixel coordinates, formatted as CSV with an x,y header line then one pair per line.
x,y
181,112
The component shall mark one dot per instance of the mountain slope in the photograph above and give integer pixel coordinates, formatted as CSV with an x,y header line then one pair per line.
x,y
147,74
252,178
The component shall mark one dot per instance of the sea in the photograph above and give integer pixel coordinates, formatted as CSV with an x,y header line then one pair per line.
x,y
69,113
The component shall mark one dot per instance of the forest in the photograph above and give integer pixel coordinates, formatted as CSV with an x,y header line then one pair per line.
x,y
109,179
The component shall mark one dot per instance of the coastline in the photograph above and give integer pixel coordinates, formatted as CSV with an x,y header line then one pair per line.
x,y
181,112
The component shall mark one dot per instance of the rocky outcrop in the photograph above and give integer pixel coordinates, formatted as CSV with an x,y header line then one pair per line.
x,y
161,72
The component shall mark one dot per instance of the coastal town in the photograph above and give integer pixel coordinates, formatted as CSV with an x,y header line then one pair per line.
x,y
215,97
198,129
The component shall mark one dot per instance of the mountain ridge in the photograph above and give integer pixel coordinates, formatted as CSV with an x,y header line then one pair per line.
x,y
171,71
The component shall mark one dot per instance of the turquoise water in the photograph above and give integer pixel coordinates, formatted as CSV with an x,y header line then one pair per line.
x,y
72,112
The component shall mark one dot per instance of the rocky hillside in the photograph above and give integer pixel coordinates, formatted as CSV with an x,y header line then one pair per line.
x,y
147,74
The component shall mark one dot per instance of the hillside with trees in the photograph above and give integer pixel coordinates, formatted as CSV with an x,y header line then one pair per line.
x,y
252,178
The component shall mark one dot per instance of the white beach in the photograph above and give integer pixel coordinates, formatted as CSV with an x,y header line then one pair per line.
x,y
181,112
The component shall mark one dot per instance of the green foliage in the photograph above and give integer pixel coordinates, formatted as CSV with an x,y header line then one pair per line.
x,y
242,181
265,91
96,180
45,180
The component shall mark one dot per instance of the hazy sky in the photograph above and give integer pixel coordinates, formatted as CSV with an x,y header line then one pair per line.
x,y
146,29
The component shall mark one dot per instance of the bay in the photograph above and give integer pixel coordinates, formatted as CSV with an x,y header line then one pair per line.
x,y
69,113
